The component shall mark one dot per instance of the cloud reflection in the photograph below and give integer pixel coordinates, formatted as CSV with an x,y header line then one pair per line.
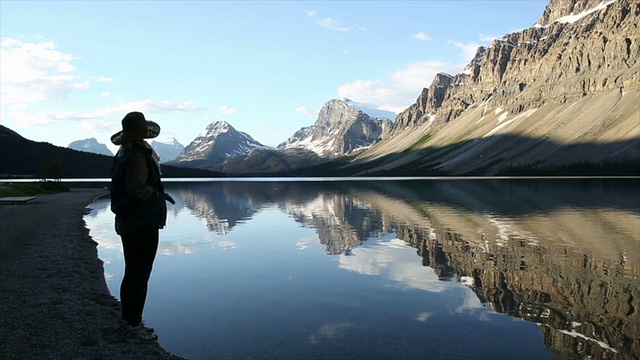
x,y
394,260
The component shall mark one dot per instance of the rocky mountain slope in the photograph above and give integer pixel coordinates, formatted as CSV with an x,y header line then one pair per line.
x,y
341,129
90,145
562,91
217,143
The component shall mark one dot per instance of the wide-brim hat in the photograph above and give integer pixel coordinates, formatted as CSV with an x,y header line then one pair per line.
x,y
135,127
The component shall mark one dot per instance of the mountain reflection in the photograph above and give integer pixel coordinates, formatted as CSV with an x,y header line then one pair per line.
x,y
562,254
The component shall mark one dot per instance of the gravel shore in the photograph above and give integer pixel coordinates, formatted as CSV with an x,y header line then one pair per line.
x,y
54,301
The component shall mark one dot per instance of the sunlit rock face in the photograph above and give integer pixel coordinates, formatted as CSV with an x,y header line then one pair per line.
x,y
562,91
576,48
340,130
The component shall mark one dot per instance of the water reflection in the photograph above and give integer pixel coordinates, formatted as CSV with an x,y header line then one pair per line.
x,y
564,255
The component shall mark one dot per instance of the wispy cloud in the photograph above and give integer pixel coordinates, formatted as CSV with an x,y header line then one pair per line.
x,y
333,24
304,111
25,118
226,110
36,71
400,88
468,49
104,79
422,36
488,38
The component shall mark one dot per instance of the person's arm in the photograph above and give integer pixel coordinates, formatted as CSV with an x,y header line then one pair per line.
x,y
137,173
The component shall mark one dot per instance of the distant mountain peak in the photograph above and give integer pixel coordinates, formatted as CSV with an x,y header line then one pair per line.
x,y
342,128
168,149
219,141
90,145
168,141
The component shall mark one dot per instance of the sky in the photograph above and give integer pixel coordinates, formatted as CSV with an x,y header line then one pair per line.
x,y
71,70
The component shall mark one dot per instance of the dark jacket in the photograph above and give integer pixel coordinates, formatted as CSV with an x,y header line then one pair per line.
x,y
137,194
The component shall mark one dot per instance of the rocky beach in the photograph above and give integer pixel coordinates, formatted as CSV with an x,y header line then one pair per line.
x,y
54,302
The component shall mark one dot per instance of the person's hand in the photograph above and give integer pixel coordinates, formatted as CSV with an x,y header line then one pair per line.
x,y
169,198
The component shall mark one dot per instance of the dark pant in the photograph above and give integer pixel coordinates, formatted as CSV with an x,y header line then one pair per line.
x,y
140,247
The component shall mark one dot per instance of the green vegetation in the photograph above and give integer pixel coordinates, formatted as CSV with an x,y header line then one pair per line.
x,y
33,188
423,140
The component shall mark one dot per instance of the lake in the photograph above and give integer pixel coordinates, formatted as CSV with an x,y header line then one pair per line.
x,y
425,269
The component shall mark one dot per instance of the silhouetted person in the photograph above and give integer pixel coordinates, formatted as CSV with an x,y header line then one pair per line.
x,y
138,200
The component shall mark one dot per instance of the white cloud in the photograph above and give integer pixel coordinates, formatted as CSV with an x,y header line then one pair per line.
x,y
23,118
226,110
103,79
332,24
311,13
488,38
424,316
395,261
36,71
400,89
95,127
304,111
468,49
422,36
106,94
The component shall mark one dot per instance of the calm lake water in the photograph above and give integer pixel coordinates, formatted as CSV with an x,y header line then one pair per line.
x,y
482,269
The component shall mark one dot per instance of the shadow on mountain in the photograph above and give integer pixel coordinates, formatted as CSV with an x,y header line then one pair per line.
x,y
493,155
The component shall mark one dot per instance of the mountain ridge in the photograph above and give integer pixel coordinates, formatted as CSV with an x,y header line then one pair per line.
x,y
574,80
218,142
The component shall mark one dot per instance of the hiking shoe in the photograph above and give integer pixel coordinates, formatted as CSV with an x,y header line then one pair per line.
x,y
123,325
138,335
149,329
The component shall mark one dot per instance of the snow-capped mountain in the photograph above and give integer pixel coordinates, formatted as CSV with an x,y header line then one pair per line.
x,y
90,145
341,129
217,143
168,150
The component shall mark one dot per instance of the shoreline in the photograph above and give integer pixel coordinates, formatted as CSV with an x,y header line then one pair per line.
x,y
54,300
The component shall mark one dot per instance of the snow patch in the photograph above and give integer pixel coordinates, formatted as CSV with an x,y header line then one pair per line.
x,y
572,18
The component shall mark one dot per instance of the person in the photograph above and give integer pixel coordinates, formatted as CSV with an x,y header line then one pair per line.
x,y
138,202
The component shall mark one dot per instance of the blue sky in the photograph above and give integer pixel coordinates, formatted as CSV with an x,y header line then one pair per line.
x,y
71,70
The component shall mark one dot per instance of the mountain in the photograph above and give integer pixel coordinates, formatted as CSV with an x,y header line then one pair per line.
x,y
339,130
561,93
169,150
26,158
90,145
217,143
6,132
